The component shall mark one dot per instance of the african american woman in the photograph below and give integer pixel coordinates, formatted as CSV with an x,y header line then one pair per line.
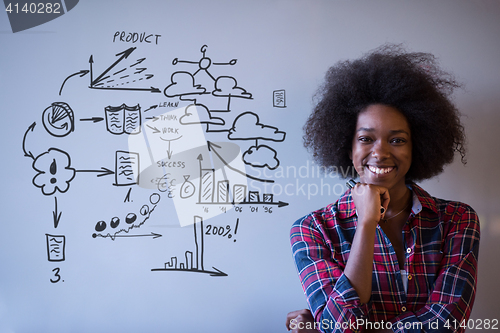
x,y
411,266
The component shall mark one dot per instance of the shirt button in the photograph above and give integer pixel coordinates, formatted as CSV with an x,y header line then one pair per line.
x,y
410,276
403,308
408,250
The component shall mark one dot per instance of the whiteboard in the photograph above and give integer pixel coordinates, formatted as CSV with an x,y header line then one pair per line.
x,y
153,160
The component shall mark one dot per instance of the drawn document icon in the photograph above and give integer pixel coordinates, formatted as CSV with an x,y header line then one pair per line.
x,y
55,247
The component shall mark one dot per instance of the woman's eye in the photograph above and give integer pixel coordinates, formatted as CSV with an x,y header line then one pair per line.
x,y
364,139
398,140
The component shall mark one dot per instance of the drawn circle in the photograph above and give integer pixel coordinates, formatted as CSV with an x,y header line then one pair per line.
x,y
94,235
154,198
115,221
58,119
100,226
205,63
131,217
144,210
175,61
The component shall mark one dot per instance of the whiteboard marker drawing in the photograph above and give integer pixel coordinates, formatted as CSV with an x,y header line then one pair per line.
x,y
123,75
194,260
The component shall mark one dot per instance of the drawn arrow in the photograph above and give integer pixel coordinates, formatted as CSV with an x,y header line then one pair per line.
x,y
155,130
28,154
211,146
82,73
91,61
152,89
55,215
153,117
279,204
103,172
148,235
93,119
216,272
152,107
123,55
169,151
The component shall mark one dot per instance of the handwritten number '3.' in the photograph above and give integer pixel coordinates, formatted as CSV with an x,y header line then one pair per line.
x,y
56,274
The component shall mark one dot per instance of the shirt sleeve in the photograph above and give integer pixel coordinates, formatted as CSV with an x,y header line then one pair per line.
x,y
332,299
450,303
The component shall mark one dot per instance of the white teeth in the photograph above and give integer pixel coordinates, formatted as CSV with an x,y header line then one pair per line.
x,y
379,170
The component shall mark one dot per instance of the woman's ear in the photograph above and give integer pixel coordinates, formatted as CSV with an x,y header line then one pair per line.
x,y
350,155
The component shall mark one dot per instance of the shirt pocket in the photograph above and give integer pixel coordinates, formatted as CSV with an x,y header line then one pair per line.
x,y
429,258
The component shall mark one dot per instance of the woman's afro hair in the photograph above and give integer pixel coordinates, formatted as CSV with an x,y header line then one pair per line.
x,y
410,82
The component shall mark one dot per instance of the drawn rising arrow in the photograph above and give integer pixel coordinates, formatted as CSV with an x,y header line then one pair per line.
x,y
82,73
211,146
93,119
103,171
152,234
123,55
55,215
91,61
151,108
28,153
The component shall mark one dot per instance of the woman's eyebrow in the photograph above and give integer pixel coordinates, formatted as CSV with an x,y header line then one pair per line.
x,y
400,131
370,129
365,129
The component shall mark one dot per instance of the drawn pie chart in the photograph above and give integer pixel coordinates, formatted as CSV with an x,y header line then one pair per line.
x,y
58,119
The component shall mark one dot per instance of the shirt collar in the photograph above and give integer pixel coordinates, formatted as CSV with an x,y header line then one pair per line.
x,y
421,200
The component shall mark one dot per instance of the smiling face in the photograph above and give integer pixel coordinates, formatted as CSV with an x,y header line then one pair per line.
x,y
382,147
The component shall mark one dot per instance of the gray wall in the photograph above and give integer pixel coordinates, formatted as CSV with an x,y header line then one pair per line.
x,y
107,283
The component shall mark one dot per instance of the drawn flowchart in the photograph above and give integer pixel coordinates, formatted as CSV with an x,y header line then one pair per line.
x,y
169,153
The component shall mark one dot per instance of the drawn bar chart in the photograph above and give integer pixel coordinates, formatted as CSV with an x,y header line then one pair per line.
x,y
212,192
193,261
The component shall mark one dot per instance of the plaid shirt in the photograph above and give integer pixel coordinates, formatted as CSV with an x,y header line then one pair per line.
x,y
441,240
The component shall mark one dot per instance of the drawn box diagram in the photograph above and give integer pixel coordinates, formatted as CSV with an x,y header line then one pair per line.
x,y
279,100
126,168
56,247
123,119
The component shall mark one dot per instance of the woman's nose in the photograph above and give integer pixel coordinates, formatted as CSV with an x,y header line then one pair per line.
x,y
380,150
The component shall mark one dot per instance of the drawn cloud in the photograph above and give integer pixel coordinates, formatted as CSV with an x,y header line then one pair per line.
x,y
261,156
226,86
183,84
247,127
204,116
54,171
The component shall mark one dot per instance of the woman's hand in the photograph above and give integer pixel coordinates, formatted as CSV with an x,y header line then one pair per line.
x,y
299,321
368,199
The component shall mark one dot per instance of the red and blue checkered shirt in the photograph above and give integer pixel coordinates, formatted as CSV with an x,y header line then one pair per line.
x,y
442,242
